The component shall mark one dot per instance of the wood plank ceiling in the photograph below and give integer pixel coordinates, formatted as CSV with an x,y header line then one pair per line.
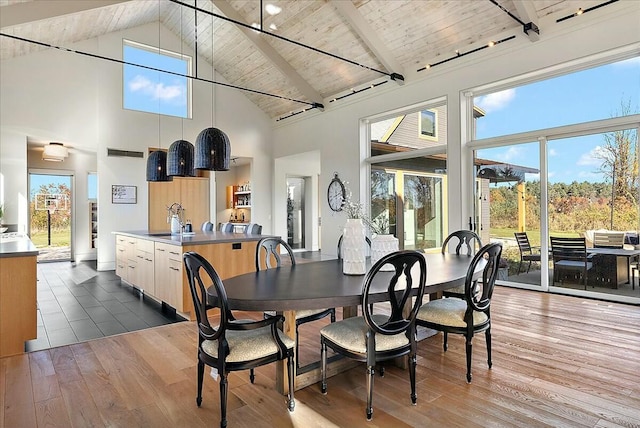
x,y
388,36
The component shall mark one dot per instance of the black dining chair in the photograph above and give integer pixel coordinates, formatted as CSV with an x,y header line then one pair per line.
x,y
233,344
268,257
372,338
471,315
468,243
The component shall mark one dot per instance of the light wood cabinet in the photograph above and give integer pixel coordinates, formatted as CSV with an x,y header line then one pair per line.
x,y
190,192
18,307
168,275
135,262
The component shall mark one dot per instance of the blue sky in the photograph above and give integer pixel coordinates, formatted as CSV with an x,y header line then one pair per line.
x,y
578,97
153,91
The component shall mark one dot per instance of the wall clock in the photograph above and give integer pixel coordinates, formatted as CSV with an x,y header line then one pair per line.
x,y
336,193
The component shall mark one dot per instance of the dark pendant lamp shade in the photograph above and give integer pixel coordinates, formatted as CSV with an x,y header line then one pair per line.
x,y
213,150
157,166
180,159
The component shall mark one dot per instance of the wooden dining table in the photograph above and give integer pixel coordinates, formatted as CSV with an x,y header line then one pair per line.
x,y
317,285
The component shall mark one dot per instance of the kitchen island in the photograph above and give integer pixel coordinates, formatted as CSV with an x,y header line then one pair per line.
x,y
152,261
18,285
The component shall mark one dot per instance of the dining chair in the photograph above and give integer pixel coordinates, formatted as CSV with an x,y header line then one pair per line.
x,y
233,344
373,338
467,243
207,226
253,229
268,257
570,254
526,250
472,314
226,227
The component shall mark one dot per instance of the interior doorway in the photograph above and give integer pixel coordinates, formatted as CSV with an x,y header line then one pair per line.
x,y
296,212
50,215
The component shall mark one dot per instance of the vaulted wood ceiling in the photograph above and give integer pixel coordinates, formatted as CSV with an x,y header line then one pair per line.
x,y
390,36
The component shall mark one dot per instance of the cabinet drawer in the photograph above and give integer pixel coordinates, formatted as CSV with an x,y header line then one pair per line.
x,y
145,245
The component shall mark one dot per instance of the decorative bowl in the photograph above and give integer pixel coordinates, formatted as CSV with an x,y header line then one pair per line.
x,y
3,229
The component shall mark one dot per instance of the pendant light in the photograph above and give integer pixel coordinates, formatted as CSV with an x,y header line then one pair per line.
x,y
157,160
212,148
180,159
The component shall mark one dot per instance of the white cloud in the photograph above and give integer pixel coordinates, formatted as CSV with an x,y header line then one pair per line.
x,y
635,61
590,158
509,155
156,90
496,101
553,152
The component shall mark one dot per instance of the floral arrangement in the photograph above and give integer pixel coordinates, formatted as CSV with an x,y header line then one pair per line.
x,y
355,210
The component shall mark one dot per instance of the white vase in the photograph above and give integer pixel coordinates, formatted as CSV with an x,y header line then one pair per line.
x,y
354,253
381,245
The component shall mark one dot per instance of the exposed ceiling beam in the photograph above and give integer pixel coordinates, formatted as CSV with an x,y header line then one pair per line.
x,y
270,53
528,14
22,13
368,35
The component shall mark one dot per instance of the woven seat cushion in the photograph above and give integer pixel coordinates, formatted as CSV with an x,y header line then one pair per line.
x,y
299,314
351,334
448,312
247,345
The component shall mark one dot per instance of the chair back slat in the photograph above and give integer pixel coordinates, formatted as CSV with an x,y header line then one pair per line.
x,y
199,272
523,242
568,248
408,266
268,253
465,238
478,293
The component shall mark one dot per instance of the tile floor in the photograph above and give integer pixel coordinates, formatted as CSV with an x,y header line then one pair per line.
x,y
78,303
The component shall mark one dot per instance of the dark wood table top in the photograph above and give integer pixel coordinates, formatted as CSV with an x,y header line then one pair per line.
x,y
322,284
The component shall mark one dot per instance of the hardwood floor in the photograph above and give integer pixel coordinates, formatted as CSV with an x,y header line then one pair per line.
x,y
557,361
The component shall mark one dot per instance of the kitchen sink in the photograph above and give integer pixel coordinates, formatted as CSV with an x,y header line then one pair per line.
x,y
159,234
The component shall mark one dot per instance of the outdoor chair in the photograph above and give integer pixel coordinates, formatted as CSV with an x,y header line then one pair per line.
x,y
267,257
570,255
472,314
608,239
233,344
372,338
526,250
468,242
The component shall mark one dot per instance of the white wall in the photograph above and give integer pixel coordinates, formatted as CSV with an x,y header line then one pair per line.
x,y
14,192
335,134
59,96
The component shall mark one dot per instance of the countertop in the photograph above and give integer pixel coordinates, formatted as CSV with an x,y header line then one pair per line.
x,y
199,237
16,245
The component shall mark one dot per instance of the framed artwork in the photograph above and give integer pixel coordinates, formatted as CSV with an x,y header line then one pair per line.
x,y
122,194
428,124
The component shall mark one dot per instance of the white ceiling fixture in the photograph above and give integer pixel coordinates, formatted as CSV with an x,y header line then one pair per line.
x,y
55,152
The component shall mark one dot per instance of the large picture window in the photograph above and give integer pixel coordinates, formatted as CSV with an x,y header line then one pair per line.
x,y
152,91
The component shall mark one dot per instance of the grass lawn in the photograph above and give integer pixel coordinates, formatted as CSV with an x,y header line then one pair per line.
x,y
59,238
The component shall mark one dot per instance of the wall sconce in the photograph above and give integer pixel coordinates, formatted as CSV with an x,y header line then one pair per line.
x,y
55,152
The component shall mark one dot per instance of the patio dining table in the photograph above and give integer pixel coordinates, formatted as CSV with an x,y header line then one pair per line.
x,y
612,266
